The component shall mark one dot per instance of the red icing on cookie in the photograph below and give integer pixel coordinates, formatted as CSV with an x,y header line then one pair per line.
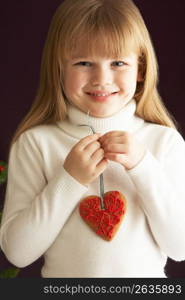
x,y
104,222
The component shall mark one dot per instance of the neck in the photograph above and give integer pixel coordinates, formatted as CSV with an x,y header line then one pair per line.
x,y
124,120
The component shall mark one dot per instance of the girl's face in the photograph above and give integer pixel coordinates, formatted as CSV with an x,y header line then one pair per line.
x,y
100,85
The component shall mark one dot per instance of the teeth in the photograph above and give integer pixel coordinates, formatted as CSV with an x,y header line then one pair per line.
x,y
100,95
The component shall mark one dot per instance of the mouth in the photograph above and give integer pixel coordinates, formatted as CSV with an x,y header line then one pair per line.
x,y
101,97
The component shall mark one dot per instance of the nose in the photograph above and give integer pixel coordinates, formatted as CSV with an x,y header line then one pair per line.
x,y
101,76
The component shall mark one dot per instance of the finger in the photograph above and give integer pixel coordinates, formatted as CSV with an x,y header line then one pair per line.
x,y
110,134
113,140
116,148
117,157
98,155
91,148
101,166
87,140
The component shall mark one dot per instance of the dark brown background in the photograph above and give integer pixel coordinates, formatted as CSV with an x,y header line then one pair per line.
x,y
24,25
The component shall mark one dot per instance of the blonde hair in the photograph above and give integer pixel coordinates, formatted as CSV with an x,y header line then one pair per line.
x,y
121,28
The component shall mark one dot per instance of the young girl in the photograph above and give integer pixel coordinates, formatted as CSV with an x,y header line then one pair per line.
x,y
99,61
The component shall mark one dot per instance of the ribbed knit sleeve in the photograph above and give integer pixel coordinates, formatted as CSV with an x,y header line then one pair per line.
x,y
35,210
160,188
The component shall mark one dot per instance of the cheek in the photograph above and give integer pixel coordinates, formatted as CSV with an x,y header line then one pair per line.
x,y
71,82
128,80
74,82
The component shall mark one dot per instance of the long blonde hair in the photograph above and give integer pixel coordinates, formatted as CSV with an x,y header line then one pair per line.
x,y
117,24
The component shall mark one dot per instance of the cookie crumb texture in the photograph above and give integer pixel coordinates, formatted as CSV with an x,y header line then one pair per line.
x,y
104,222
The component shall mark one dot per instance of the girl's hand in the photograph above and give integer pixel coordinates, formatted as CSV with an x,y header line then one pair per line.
x,y
85,162
122,147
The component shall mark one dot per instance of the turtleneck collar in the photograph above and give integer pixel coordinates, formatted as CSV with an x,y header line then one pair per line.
x,y
124,120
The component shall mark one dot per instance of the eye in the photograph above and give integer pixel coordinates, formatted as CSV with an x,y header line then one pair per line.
x,y
119,63
84,63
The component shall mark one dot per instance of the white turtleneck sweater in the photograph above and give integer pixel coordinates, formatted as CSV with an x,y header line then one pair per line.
x,y
41,215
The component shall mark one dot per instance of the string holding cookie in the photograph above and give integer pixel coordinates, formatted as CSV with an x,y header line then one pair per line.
x,y
104,213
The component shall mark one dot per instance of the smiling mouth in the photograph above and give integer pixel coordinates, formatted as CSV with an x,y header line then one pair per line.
x,y
101,97
101,94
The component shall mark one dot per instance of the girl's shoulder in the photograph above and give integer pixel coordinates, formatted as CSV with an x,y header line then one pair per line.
x,y
43,129
163,133
37,134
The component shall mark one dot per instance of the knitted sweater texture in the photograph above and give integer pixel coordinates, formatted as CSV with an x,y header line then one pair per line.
x,y
41,215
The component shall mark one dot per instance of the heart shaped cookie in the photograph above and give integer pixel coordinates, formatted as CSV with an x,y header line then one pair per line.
x,y
105,222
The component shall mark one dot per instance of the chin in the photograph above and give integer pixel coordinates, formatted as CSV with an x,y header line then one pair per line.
x,y
102,115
